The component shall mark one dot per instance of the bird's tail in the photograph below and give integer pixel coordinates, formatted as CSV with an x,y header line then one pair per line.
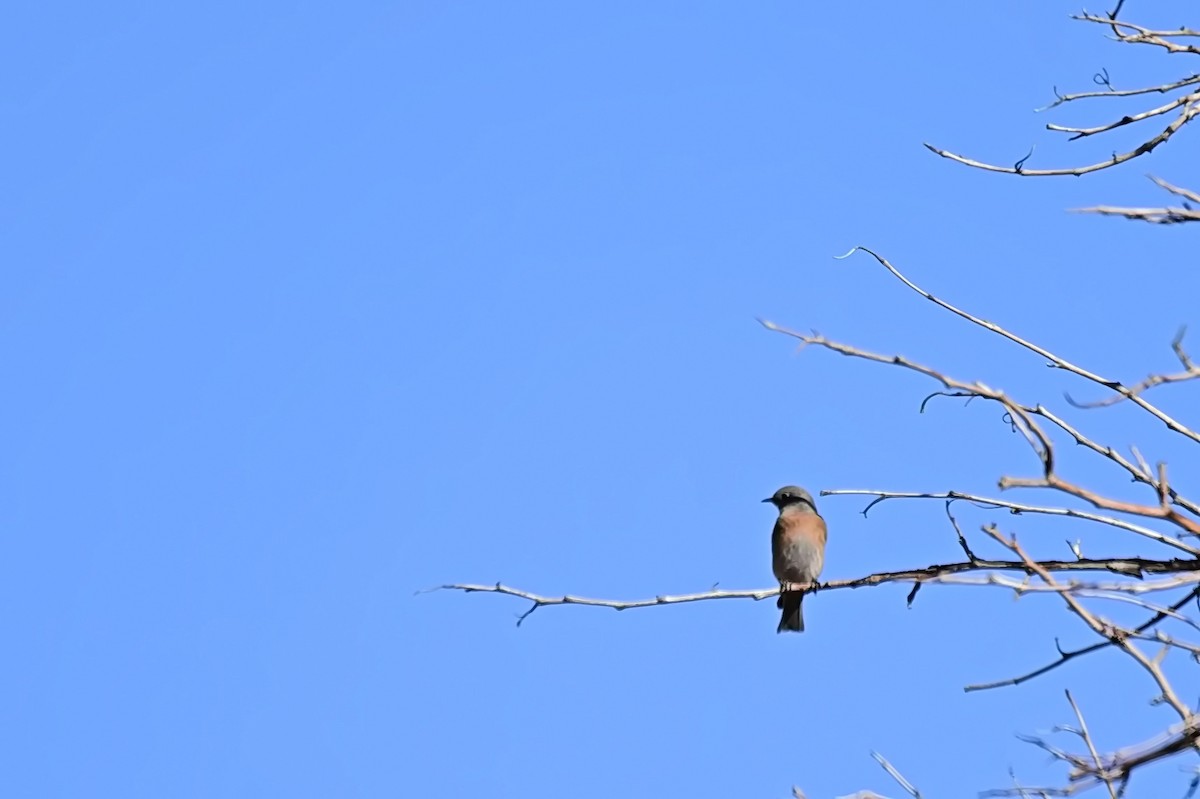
x,y
793,617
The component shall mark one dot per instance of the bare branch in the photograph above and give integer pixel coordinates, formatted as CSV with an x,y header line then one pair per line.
x,y
1136,34
1187,573
896,775
1023,416
1140,473
1163,215
1087,739
1161,88
1118,636
1191,372
1099,500
540,601
1033,434
1094,590
1189,111
1014,507
1083,133
1055,361
1065,656
1188,105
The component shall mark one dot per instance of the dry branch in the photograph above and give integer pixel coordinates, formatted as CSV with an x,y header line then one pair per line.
x,y
1161,215
1187,105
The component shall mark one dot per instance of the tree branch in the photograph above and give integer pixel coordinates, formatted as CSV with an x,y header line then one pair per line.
x,y
1163,215
1188,105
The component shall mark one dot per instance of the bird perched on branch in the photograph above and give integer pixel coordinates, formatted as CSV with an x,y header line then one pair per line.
x,y
797,550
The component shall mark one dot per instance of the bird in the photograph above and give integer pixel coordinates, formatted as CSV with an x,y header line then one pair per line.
x,y
797,550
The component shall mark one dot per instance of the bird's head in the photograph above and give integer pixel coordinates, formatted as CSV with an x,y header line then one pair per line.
x,y
792,496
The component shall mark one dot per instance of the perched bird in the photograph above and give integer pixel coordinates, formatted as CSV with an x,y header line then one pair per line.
x,y
797,550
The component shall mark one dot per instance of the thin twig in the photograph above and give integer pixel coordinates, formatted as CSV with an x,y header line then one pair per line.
x,y
895,774
1013,507
1056,361
1087,738
1065,656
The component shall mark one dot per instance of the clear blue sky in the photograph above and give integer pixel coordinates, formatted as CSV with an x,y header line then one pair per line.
x,y
309,306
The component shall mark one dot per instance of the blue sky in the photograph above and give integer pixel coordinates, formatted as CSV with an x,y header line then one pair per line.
x,y
311,306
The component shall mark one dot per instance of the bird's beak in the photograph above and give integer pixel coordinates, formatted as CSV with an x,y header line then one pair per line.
x,y
769,499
